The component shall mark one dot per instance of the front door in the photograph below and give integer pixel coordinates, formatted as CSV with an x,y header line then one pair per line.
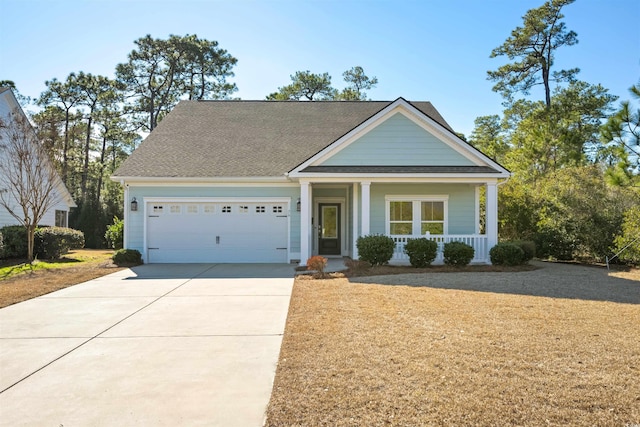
x,y
329,229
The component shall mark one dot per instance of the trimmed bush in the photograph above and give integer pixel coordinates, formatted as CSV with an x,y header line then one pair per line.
x,y
528,247
15,241
421,251
53,242
458,253
506,254
376,249
115,234
127,257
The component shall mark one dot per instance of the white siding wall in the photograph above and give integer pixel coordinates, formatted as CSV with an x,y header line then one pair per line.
x,y
8,104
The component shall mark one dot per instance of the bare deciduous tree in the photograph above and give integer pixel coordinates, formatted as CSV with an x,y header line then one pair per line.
x,y
27,177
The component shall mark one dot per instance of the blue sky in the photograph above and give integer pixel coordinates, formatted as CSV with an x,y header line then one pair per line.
x,y
431,50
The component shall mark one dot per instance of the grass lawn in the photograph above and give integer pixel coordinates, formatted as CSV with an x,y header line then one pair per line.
x,y
20,281
368,354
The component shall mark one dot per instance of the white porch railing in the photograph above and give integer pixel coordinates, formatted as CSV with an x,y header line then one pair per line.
x,y
477,241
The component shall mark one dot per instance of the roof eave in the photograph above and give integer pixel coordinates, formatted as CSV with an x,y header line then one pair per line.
x,y
383,176
214,179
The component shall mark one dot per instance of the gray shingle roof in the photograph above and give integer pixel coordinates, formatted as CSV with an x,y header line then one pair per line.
x,y
247,138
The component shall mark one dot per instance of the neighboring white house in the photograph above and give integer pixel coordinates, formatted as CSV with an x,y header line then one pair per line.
x,y
270,181
58,215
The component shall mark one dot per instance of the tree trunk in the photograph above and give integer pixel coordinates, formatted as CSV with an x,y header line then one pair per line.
x,y
31,231
65,149
85,167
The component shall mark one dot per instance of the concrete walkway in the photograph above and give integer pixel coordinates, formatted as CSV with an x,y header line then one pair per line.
x,y
191,344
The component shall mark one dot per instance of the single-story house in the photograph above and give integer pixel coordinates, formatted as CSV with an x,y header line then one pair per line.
x,y
62,201
280,181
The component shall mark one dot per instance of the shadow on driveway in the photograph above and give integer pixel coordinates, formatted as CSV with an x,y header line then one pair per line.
x,y
552,280
212,271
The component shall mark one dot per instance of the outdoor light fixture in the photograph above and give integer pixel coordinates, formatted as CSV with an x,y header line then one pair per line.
x,y
134,205
298,205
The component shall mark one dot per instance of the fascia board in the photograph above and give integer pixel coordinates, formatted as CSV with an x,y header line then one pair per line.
x,y
139,180
327,178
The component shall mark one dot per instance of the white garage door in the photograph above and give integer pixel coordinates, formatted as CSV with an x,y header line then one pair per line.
x,y
191,232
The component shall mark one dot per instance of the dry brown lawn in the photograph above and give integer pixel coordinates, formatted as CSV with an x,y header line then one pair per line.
x,y
372,354
76,267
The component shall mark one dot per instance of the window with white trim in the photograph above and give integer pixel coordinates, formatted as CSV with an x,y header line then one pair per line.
x,y
277,209
260,209
226,209
416,215
209,209
175,209
243,209
61,218
192,209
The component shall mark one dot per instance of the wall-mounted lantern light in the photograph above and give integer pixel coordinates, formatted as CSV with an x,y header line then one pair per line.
x,y
298,205
134,205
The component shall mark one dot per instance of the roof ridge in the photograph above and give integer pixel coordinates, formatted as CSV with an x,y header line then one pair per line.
x,y
289,101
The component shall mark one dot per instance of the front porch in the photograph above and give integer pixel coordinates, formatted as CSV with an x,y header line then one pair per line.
x,y
334,215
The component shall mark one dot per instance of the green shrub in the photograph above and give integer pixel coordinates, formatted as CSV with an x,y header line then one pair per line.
x,y
628,242
376,249
506,254
53,242
15,241
127,257
458,253
528,247
555,243
421,251
115,234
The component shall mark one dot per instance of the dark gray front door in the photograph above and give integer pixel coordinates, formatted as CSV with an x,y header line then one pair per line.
x,y
329,229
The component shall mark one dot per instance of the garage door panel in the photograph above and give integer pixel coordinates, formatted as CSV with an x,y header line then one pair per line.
x,y
217,232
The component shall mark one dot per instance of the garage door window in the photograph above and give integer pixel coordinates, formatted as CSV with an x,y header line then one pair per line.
x,y
175,209
226,209
260,209
277,209
157,209
192,209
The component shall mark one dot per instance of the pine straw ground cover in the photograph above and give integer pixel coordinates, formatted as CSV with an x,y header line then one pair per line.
x,y
556,346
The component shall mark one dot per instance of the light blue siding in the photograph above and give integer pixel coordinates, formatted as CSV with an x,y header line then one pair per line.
x,y
135,226
461,212
398,142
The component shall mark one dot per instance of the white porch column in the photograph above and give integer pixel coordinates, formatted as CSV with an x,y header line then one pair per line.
x,y
477,207
305,222
366,207
356,217
491,225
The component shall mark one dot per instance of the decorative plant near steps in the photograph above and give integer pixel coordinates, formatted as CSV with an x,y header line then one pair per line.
x,y
317,263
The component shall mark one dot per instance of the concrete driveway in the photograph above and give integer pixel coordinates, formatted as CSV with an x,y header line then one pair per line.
x,y
190,344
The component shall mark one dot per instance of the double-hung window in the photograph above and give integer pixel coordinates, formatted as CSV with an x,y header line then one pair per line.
x,y
416,215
